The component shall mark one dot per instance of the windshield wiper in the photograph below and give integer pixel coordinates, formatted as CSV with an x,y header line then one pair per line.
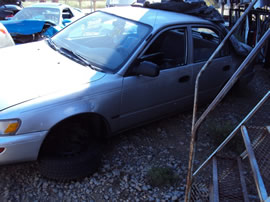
x,y
72,55
78,58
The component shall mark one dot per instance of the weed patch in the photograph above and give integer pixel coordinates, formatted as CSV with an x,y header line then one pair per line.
x,y
159,176
219,131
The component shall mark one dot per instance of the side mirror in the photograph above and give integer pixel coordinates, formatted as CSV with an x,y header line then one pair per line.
x,y
66,21
147,68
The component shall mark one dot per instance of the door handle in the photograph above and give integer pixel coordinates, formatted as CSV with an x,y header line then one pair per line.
x,y
184,79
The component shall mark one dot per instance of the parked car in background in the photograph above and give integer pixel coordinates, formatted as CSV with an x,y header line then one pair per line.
x,y
40,20
108,72
12,2
8,11
5,38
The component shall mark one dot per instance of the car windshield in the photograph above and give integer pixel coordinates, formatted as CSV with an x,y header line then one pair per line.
x,y
37,13
104,40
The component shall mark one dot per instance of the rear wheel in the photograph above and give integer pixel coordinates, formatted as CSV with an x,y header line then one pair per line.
x,y
69,152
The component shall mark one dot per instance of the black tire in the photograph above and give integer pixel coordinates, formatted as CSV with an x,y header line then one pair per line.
x,y
59,162
70,168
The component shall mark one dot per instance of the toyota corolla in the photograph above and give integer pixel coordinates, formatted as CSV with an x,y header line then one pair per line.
x,y
110,71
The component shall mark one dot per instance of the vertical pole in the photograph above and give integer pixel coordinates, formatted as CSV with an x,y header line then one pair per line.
x,y
94,1
91,6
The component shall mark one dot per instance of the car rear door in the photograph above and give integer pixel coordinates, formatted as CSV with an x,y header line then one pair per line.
x,y
205,39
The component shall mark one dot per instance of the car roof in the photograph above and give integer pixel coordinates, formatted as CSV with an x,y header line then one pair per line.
x,y
49,5
154,17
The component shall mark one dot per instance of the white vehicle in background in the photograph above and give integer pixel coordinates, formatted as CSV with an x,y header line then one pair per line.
x,y
5,38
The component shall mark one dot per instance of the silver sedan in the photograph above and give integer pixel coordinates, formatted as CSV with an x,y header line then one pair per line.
x,y
110,71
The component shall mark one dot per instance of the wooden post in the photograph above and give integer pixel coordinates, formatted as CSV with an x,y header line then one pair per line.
x,y
94,1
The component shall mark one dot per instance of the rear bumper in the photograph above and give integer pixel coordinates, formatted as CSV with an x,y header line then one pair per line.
x,y
19,148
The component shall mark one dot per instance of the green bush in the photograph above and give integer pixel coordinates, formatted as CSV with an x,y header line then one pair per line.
x,y
219,131
159,176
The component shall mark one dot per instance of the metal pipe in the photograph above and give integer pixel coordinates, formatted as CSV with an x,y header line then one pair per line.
x,y
250,114
193,129
233,79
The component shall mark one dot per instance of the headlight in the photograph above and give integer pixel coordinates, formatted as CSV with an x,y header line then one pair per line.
x,y
8,127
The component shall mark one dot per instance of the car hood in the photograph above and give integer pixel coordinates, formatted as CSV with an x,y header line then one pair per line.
x,y
32,70
23,27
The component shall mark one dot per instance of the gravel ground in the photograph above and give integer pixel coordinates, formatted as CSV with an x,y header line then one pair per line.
x,y
129,157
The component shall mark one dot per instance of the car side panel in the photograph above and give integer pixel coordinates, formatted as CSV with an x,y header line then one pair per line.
x,y
146,98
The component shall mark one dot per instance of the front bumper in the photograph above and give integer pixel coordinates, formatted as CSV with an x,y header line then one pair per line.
x,y
19,148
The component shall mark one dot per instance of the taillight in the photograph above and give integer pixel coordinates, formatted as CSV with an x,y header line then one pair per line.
x,y
1,149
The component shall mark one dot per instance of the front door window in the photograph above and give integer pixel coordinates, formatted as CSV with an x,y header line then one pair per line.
x,y
169,49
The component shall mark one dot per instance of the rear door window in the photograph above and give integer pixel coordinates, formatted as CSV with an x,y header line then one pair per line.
x,y
205,41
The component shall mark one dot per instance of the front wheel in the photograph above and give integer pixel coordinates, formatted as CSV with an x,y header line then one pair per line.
x,y
69,153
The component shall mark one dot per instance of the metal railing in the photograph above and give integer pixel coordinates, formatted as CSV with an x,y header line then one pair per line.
x,y
223,92
196,123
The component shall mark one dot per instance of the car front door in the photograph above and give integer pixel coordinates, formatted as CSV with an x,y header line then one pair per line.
x,y
145,98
